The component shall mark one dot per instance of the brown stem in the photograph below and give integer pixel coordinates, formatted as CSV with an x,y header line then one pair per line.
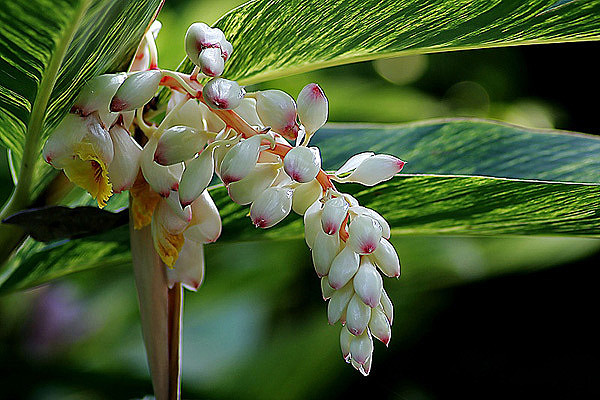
x,y
175,301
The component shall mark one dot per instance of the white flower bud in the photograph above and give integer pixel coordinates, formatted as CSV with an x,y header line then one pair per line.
x,y
189,267
200,36
338,302
190,114
277,109
172,221
302,164
247,110
385,227
312,223
205,226
223,94
364,234
136,91
313,107
324,250
361,347
59,145
197,176
305,195
345,341
386,258
125,166
358,315
272,206
254,184
241,159
368,283
160,178
334,213
375,169
179,143
326,289
211,62
97,94
387,306
353,162
343,268
380,326
226,49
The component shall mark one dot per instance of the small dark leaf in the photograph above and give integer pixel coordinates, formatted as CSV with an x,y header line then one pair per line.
x,y
57,222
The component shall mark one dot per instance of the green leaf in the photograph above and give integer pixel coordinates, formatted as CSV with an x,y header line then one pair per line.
x,y
277,38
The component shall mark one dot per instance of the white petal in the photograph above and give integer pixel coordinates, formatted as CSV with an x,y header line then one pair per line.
x,y
189,267
368,283
313,107
338,303
272,206
324,250
205,226
179,143
354,162
126,162
343,268
358,315
160,178
386,258
376,169
254,184
334,213
364,234
305,195
136,91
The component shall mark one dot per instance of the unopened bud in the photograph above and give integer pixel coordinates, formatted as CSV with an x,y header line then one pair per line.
x,y
189,267
179,143
125,166
313,108
226,49
97,94
324,250
312,223
375,169
326,289
338,303
361,347
160,178
205,226
358,315
136,91
364,234
254,184
387,306
305,195
223,94
196,176
334,213
368,283
385,227
345,340
211,62
241,159
380,326
199,37
302,164
277,109
343,268
386,258
272,206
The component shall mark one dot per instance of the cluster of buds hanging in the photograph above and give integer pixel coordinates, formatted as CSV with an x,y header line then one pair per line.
x,y
106,145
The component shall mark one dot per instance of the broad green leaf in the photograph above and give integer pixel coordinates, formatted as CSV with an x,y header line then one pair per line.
x,y
276,38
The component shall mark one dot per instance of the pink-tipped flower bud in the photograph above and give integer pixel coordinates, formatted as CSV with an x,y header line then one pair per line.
x,y
305,195
361,348
179,143
189,267
277,109
254,184
364,234
358,315
272,206
161,179
345,340
387,306
136,91
313,108
241,159
211,62
197,176
368,283
375,169
205,226
223,94
326,289
386,258
312,223
324,250
385,227
334,213
126,161
343,268
380,326
302,164
97,94
338,303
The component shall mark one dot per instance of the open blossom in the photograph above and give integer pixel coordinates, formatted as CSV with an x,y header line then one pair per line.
x,y
242,138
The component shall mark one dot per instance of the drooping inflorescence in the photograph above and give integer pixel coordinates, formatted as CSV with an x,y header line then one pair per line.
x,y
243,138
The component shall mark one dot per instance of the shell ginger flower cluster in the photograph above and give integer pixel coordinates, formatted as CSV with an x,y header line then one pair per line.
x,y
105,145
